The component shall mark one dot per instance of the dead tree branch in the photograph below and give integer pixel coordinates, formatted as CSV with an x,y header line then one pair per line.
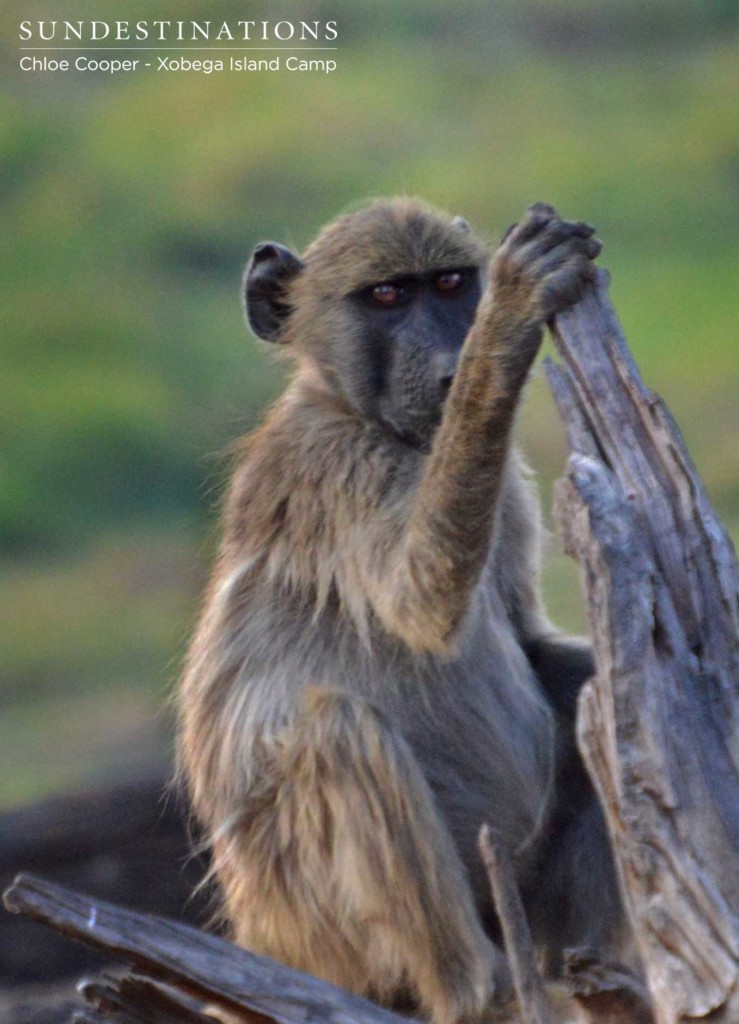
x,y
658,726
199,964
142,1001
532,1000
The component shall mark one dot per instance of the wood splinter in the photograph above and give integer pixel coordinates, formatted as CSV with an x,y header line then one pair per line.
x,y
532,999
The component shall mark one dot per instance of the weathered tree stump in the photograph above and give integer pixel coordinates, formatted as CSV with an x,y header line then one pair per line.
x,y
658,725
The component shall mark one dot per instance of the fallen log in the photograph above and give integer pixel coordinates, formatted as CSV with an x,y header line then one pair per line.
x,y
139,1000
203,965
658,725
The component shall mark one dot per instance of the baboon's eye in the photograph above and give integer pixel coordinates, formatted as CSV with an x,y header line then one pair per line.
x,y
448,282
388,294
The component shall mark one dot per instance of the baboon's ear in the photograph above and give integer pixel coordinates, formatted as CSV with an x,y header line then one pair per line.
x,y
460,222
269,272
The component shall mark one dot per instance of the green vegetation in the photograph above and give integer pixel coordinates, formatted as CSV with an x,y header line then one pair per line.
x,y
129,207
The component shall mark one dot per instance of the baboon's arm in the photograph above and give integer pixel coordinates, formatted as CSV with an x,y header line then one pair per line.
x,y
542,266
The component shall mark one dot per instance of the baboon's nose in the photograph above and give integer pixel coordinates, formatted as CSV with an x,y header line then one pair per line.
x,y
445,365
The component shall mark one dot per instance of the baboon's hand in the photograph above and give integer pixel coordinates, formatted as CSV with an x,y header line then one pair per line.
x,y
543,265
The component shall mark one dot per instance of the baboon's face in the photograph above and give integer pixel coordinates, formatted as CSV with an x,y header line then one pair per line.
x,y
381,304
407,339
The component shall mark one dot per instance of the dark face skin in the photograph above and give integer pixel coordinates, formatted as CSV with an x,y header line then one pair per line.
x,y
411,331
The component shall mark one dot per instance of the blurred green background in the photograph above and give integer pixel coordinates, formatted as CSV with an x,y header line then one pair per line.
x,y
129,206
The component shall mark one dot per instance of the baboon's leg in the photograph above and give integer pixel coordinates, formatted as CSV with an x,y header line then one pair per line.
x,y
576,870
343,868
576,875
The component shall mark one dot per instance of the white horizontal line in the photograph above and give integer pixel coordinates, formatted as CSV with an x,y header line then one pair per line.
x,y
307,49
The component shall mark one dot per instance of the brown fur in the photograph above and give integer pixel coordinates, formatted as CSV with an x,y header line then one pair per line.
x,y
357,699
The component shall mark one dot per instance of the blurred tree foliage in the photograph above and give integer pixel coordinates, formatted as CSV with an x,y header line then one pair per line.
x,y
130,203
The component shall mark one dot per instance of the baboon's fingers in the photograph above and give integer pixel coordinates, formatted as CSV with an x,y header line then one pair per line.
x,y
553,235
536,217
571,249
566,285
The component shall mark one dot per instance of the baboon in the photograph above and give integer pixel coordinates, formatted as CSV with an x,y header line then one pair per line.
x,y
374,674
